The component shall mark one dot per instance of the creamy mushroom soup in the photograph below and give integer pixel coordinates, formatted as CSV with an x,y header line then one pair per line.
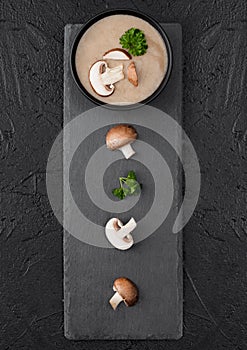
x,y
104,36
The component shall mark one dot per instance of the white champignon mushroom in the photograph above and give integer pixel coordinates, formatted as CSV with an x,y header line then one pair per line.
x,y
102,78
118,234
126,291
117,54
120,137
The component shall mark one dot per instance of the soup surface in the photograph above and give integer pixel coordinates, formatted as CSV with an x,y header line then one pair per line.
x,y
103,36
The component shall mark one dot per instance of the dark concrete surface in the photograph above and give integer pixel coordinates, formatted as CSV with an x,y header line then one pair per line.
x,y
215,109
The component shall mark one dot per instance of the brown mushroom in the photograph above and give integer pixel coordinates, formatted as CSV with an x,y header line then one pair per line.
x,y
126,291
132,75
120,137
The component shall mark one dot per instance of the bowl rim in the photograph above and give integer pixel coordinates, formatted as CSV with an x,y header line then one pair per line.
x,y
113,12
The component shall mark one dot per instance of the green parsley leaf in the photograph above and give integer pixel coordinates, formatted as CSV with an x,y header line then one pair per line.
x,y
126,191
134,41
131,175
118,192
128,186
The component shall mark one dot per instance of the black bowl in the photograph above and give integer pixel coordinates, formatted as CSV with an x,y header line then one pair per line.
x,y
121,12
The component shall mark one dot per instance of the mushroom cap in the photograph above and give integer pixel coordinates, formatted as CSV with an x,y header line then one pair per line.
x,y
117,54
132,75
127,289
94,74
120,135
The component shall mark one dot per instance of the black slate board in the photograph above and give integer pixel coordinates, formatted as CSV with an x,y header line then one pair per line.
x,y
155,264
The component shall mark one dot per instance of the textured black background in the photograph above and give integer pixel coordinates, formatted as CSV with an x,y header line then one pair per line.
x,y
215,109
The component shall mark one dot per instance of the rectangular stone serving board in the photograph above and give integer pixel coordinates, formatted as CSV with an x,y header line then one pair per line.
x,y
155,264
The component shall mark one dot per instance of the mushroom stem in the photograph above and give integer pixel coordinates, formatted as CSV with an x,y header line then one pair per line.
x,y
127,150
115,300
112,75
126,229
